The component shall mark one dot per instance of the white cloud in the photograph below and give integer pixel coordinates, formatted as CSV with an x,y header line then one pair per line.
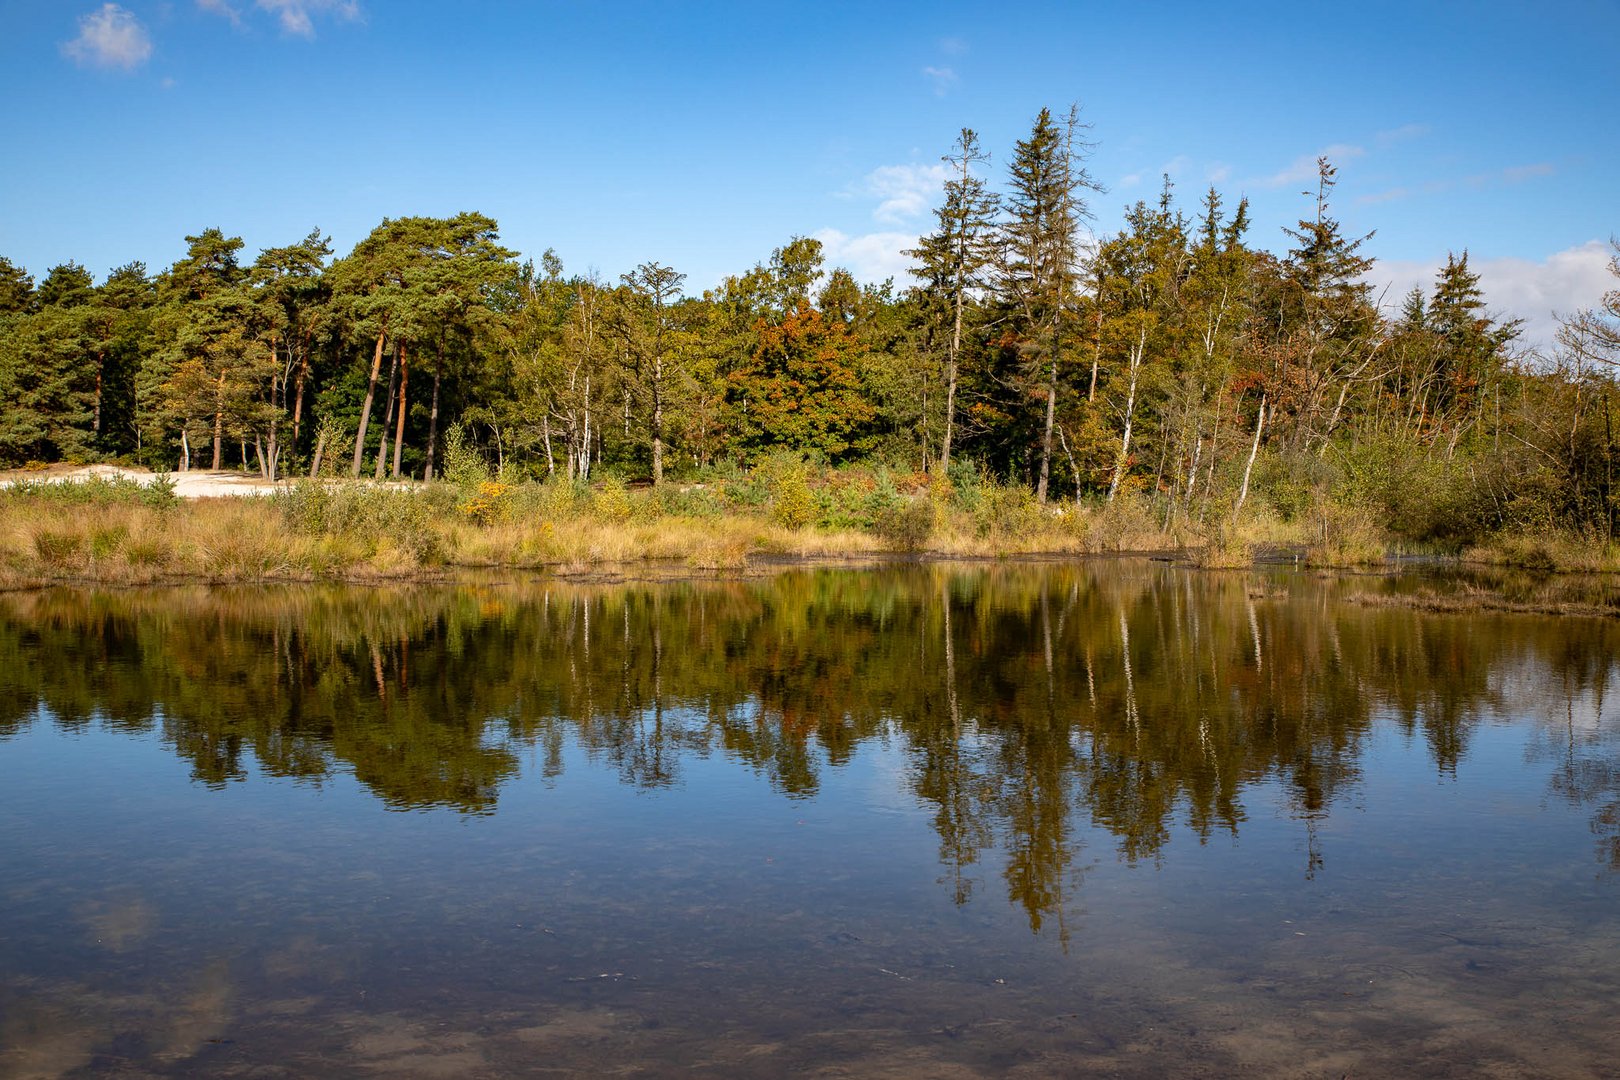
x,y
222,7
1401,134
953,46
110,38
904,192
943,78
1304,167
1538,292
1518,174
871,257
1394,194
296,16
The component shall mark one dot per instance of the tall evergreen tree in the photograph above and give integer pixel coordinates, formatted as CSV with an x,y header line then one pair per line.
x,y
1039,273
953,261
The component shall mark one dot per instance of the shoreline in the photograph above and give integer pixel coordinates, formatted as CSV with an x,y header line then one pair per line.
x,y
114,528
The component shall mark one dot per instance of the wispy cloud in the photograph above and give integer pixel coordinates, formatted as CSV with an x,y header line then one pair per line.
x,y
871,257
1304,167
295,16
1539,292
1404,133
110,37
1394,194
222,7
943,79
1518,174
953,46
904,192
1515,174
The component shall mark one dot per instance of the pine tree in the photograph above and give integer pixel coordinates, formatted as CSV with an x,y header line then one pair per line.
x,y
953,262
1039,273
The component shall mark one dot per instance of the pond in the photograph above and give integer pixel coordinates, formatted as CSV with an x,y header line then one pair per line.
x,y
919,820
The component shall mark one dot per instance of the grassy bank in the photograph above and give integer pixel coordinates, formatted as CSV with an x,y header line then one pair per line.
x,y
118,531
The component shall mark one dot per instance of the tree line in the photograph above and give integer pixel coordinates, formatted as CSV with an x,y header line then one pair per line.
x,y
1174,359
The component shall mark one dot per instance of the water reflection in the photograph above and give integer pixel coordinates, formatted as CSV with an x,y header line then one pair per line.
x,y
1030,700
927,820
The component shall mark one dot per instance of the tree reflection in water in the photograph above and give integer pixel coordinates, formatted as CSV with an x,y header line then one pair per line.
x,y
1032,700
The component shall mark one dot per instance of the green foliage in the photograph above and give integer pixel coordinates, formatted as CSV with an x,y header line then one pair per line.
x,y
1164,355
907,524
792,505
610,501
366,514
801,389
464,466
97,490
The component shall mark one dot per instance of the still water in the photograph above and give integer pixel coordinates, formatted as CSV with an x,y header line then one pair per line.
x,y
1118,818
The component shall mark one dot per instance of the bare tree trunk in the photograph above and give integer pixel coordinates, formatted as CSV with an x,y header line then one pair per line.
x,y
1130,415
433,415
95,419
951,369
298,395
365,408
315,462
388,416
658,423
1096,349
399,420
185,451
545,431
219,420
1254,450
585,446
1046,435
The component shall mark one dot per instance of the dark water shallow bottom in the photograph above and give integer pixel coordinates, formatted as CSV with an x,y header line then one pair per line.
x,y
1433,912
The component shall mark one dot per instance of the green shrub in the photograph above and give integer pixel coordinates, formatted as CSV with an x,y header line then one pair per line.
x,y
792,505
464,466
160,494
907,524
611,500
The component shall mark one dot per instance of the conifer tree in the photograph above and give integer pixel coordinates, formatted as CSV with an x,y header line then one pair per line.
x,y
953,260
1039,272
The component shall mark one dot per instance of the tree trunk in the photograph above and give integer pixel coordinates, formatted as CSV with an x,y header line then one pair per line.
x,y
1046,436
951,368
545,431
185,452
399,419
95,419
658,438
1137,354
388,416
1254,450
365,408
1096,350
219,421
433,416
298,395
315,462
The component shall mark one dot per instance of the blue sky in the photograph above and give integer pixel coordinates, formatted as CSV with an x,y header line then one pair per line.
x,y
702,136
